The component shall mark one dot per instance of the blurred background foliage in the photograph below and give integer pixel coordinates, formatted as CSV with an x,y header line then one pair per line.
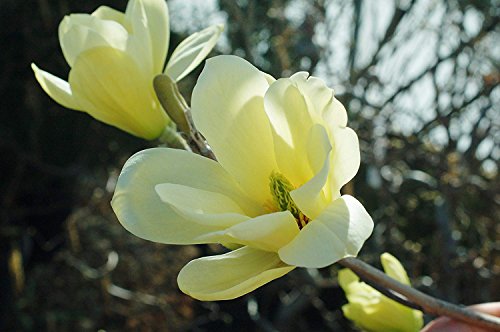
x,y
420,80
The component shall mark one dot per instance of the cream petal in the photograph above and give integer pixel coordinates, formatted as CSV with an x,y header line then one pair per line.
x,y
192,51
150,23
313,197
56,88
227,108
321,98
110,14
139,45
335,113
318,147
159,30
142,212
338,232
268,232
109,85
202,206
230,275
80,32
346,156
287,111
269,78
394,269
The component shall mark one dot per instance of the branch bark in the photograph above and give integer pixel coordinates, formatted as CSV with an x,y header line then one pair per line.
x,y
424,302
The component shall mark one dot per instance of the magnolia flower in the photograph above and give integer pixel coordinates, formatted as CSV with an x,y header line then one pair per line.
x,y
371,310
273,197
114,57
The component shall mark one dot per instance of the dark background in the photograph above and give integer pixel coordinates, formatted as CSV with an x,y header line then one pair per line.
x,y
429,174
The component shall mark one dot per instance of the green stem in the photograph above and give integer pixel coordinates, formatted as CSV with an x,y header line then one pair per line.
x,y
173,139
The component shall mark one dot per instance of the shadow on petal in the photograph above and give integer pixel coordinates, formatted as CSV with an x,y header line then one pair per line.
x,y
338,232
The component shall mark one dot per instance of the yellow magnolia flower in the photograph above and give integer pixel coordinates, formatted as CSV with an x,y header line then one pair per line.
x,y
372,311
283,152
114,57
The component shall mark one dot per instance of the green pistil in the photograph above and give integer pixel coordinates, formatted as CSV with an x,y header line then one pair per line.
x,y
280,190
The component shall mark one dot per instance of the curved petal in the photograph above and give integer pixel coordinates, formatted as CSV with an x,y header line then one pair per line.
x,y
318,147
338,232
393,268
310,198
151,31
346,156
290,120
142,212
109,85
80,32
269,78
313,197
110,14
56,88
230,275
192,51
321,98
335,113
202,206
268,232
139,45
227,108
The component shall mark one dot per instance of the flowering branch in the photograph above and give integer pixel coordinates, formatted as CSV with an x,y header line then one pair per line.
x,y
421,301
391,288
178,110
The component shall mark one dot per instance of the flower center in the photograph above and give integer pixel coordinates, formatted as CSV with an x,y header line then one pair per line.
x,y
280,190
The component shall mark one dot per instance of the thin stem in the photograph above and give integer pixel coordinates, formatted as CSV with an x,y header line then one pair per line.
x,y
201,145
392,294
428,303
173,139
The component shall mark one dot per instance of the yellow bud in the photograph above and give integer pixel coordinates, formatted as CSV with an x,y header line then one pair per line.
x,y
172,101
372,311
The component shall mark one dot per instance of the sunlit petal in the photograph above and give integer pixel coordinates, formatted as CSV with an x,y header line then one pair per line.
x,y
268,232
321,98
110,14
56,88
346,156
150,22
80,32
140,209
338,232
313,196
230,275
202,206
109,85
287,111
227,107
192,51
139,44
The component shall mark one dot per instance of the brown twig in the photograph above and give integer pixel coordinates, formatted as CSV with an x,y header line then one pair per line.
x,y
428,303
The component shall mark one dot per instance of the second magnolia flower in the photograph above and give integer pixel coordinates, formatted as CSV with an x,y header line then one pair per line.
x,y
114,58
283,152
